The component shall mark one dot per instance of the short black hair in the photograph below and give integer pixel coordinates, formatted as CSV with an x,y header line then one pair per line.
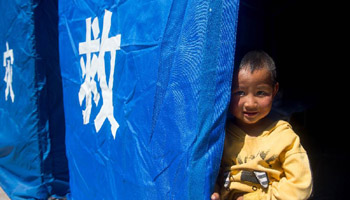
x,y
256,60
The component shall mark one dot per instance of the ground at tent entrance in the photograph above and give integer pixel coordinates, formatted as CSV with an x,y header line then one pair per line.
x,y
3,195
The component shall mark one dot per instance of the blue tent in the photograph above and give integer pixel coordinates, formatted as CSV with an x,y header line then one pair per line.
x,y
146,86
33,164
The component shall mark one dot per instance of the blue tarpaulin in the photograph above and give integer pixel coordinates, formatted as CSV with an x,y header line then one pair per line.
x,y
33,164
146,86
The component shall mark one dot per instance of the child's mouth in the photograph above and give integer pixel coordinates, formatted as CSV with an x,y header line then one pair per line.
x,y
250,114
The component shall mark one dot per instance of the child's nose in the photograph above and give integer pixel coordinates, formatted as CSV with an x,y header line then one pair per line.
x,y
250,102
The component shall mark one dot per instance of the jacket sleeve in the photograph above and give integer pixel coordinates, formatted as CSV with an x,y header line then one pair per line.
x,y
296,182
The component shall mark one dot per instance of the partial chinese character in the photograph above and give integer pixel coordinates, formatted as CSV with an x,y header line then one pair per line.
x,y
8,62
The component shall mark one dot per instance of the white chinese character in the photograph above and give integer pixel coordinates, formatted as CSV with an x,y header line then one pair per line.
x,y
96,65
8,62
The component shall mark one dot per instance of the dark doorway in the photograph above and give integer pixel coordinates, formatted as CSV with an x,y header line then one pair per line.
x,y
305,39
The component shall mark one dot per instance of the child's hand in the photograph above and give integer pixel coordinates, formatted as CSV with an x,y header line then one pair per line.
x,y
215,196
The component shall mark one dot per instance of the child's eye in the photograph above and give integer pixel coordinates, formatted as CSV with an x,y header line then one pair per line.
x,y
261,93
239,93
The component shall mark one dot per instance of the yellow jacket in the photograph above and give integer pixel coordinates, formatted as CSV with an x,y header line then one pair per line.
x,y
273,165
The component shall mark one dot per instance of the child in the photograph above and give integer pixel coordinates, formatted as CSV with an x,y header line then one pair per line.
x,y
262,159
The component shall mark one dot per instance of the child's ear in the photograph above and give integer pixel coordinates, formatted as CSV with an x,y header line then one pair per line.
x,y
275,89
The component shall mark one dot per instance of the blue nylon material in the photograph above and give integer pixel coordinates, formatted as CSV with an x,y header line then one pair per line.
x,y
20,167
28,137
171,90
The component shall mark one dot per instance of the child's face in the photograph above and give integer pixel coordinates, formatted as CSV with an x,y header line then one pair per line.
x,y
252,95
